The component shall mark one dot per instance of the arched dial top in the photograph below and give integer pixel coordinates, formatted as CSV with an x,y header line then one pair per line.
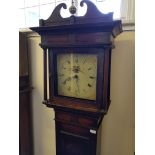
x,y
92,13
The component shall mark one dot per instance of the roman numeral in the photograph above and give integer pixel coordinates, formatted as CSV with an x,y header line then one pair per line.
x,y
84,61
89,85
69,88
61,75
68,79
92,77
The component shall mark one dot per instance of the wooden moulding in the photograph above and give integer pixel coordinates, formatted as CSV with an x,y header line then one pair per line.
x,y
93,20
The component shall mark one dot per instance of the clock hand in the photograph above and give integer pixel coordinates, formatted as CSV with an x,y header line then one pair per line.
x,y
77,83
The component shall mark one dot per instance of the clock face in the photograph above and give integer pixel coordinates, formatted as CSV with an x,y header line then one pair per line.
x,y
77,74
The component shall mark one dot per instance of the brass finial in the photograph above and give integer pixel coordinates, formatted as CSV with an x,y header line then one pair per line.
x,y
72,8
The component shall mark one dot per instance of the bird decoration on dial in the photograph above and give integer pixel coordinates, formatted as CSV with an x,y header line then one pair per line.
x,y
77,74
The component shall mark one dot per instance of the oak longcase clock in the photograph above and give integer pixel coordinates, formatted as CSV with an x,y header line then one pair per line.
x,y
78,50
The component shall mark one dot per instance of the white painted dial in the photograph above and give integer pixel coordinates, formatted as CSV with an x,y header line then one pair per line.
x,y
77,74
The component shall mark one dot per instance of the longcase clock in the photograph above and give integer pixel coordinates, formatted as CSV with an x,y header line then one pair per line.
x,y
78,50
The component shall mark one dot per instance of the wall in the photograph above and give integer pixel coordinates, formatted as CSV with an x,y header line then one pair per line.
x,y
118,124
117,136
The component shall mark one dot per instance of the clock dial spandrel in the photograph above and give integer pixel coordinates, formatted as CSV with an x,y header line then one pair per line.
x,y
77,75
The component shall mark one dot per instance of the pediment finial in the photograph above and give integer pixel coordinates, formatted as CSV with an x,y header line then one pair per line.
x,y
72,8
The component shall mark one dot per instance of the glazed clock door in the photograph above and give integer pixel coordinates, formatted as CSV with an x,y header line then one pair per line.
x,y
76,76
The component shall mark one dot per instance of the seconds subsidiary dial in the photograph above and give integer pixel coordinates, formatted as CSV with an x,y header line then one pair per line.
x,y
77,74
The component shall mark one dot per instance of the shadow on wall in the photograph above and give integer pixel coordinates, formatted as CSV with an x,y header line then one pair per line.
x,y
43,117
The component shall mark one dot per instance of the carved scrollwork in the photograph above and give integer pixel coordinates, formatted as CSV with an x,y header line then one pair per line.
x,y
55,16
92,10
92,14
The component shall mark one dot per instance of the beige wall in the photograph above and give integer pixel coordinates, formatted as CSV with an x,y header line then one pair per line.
x,y
118,124
117,136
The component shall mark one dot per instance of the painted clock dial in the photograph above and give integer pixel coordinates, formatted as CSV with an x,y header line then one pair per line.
x,y
77,74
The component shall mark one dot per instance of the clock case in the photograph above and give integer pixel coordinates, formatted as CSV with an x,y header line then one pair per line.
x,y
78,120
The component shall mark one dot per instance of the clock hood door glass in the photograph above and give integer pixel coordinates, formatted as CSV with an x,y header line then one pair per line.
x,y
77,74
